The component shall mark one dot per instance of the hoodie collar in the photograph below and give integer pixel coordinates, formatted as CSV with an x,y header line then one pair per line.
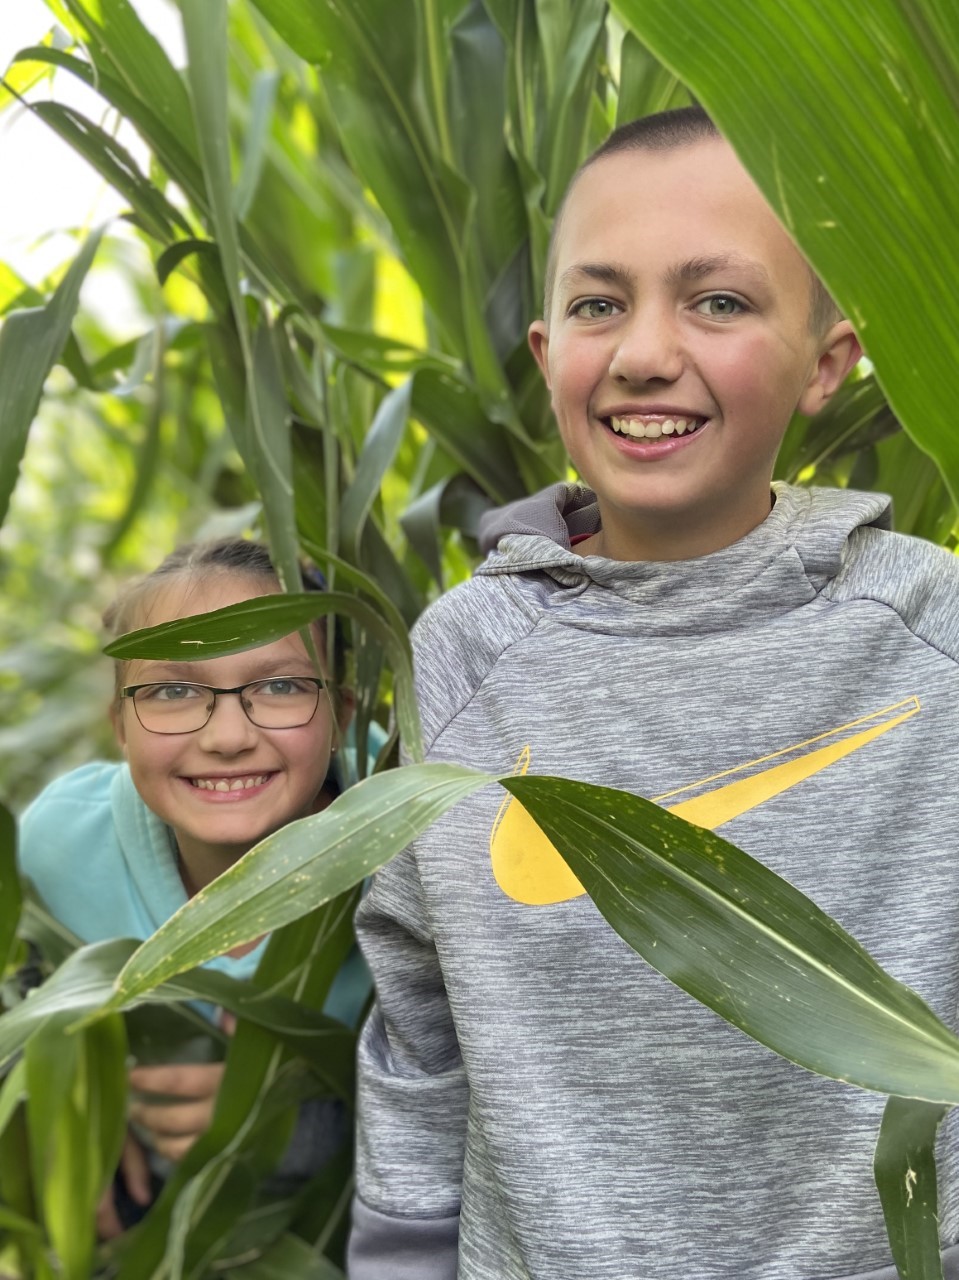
x,y
781,564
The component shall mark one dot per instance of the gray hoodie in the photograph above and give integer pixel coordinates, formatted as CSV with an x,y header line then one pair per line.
x,y
536,1102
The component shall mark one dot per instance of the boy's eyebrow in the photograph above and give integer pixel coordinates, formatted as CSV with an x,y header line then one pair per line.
x,y
604,272
699,268
687,272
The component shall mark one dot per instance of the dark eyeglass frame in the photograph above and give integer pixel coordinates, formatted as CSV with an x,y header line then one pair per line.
x,y
130,690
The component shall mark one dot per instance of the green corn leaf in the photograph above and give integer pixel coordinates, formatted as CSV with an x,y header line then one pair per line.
x,y
10,894
267,618
270,451
455,502
117,167
263,101
151,119
379,451
291,1258
196,1214
451,410
862,176
359,580
645,87
123,48
76,1099
30,344
921,504
385,355
855,417
235,628
905,1171
450,407
19,78
477,95
10,1220
265,439
13,1091
85,982
744,942
368,61
303,865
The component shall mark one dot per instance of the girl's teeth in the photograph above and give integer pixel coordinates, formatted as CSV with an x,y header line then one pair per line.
x,y
639,429
229,784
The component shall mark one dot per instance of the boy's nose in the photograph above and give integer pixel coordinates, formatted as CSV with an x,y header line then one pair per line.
x,y
228,729
650,348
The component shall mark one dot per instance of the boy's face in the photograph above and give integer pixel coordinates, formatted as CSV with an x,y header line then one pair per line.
x,y
681,316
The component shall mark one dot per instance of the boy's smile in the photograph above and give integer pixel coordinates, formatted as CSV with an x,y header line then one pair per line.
x,y
678,345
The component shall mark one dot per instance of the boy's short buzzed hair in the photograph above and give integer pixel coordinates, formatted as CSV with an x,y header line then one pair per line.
x,y
667,131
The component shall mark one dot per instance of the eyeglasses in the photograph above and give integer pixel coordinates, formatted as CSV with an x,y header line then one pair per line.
x,y
282,702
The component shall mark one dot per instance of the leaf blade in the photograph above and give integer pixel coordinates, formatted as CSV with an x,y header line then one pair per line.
x,y
30,344
292,872
744,942
905,1170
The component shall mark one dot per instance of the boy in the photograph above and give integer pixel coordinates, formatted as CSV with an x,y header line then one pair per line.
x,y
536,1103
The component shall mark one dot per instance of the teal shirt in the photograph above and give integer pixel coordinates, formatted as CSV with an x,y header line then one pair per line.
x,y
105,866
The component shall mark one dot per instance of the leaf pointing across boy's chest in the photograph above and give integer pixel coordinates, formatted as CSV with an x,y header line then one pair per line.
x,y
530,870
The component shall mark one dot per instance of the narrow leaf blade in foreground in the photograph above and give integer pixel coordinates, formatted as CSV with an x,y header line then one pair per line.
x,y
905,1171
744,942
266,618
846,116
10,893
299,868
30,343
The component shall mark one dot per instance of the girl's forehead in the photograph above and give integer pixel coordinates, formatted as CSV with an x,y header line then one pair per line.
x,y
186,594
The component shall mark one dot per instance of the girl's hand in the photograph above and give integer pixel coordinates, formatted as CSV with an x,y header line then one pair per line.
x,y
174,1126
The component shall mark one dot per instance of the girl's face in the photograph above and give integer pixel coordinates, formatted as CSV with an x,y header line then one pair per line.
x,y
273,775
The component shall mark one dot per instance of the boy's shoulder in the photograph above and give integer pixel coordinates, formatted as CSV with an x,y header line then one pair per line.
x,y
916,579
459,639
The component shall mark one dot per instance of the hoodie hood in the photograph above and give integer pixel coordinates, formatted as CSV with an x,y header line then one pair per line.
x,y
781,564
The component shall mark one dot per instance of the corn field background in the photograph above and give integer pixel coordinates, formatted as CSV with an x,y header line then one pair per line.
x,y
333,238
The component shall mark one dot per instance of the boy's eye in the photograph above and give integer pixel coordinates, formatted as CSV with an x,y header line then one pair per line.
x,y
720,304
595,309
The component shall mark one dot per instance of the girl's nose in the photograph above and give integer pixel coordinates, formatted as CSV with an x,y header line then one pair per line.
x,y
228,729
650,348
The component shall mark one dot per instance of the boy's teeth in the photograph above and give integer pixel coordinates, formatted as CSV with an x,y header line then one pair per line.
x,y
640,429
230,784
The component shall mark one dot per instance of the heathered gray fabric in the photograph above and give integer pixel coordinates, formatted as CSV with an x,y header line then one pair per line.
x,y
524,1067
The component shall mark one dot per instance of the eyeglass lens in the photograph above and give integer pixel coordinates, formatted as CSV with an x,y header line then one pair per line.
x,y
283,702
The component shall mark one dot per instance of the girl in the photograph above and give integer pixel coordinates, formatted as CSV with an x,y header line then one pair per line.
x,y
218,754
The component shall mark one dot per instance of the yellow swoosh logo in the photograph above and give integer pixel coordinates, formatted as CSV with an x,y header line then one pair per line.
x,y
529,869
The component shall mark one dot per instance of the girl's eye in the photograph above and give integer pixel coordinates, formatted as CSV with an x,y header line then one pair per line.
x,y
595,309
720,304
173,692
282,687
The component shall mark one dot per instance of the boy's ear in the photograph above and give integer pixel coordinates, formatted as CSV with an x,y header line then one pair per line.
x,y
538,338
839,351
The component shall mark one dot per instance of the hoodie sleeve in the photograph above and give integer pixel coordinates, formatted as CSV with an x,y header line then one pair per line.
x,y
412,1095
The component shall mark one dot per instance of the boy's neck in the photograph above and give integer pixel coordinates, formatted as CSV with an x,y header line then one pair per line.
x,y
636,536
